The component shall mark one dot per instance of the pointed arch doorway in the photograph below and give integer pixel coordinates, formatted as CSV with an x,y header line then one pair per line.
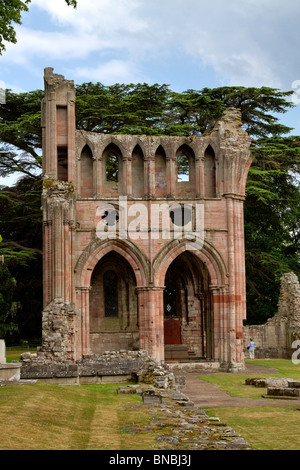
x,y
188,310
113,309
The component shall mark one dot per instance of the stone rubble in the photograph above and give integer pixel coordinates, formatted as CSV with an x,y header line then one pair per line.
x,y
277,387
188,428
177,422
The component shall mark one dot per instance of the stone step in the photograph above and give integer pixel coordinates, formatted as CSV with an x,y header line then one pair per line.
x,y
176,351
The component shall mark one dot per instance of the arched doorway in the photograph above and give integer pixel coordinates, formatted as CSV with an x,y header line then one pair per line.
x,y
188,310
113,306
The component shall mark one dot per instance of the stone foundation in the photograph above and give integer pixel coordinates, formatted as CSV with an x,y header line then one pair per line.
x,y
110,367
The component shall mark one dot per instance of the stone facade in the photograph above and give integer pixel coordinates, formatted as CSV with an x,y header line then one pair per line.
x,y
275,338
121,268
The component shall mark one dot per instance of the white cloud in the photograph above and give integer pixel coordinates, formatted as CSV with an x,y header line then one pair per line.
x,y
245,42
114,71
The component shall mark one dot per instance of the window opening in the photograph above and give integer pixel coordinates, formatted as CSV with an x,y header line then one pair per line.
x,y
181,216
112,167
183,168
110,217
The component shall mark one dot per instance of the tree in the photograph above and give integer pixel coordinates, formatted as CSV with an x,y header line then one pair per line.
x,y
194,112
7,307
21,134
11,12
7,310
272,227
21,229
122,109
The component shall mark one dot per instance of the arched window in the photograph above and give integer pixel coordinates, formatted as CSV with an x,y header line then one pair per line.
x,y
186,174
112,170
86,172
112,167
137,163
210,172
160,172
110,286
183,167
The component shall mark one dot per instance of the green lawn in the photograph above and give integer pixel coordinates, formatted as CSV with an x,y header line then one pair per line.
x,y
55,417
14,353
269,427
95,417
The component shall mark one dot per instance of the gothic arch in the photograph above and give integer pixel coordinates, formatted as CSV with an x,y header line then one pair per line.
x,y
86,172
160,172
160,144
137,141
82,144
210,257
210,172
137,169
99,248
107,140
186,142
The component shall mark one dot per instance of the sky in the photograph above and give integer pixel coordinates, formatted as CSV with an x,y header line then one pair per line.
x,y
187,44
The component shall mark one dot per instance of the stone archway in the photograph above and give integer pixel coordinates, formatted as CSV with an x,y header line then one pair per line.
x,y
86,267
113,306
188,311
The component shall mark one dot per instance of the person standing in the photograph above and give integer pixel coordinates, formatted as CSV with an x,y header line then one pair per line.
x,y
251,348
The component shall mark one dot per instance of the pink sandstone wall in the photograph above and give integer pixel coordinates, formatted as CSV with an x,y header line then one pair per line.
x,y
210,270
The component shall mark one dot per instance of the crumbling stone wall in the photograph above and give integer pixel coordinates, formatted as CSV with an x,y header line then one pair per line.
x,y
111,366
274,339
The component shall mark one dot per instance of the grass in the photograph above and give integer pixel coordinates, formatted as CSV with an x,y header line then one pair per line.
x,y
14,353
95,417
55,417
266,427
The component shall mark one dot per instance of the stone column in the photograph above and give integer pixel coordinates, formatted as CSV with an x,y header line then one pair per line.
x,y
71,135
2,352
47,262
151,321
85,320
198,182
150,176
99,183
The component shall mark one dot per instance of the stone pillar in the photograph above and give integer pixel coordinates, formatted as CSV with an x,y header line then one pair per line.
x,y
2,352
100,178
150,181
126,175
197,177
151,321
85,320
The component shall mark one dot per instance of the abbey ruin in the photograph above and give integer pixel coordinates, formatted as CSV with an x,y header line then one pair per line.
x,y
137,257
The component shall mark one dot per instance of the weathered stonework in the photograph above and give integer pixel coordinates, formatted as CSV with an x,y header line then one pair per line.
x,y
275,338
112,366
113,288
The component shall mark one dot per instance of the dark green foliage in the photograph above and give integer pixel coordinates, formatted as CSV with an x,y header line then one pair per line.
x,y
21,229
7,306
272,223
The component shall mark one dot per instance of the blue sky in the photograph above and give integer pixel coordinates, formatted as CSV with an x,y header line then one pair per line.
x,y
183,43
